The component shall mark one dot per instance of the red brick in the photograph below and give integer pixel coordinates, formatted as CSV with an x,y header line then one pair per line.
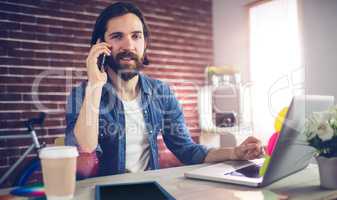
x,y
33,45
10,97
9,115
25,106
21,35
3,50
10,61
52,123
16,142
56,56
65,31
3,89
20,123
30,80
34,28
3,16
182,39
11,152
8,7
29,114
41,88
27,2
26,161
26,141
54,131
21,18
9,25
56,115
51,97
3,142
4,70
3,161
17,53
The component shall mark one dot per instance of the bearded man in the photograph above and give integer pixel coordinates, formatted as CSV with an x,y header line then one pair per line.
x,y
119,112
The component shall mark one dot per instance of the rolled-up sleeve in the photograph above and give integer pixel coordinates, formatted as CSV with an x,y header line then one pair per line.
x,y
176,135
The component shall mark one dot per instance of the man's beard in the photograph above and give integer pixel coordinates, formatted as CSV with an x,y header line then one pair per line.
x,y
125,71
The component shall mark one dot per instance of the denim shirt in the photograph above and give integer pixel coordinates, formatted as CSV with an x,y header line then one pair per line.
x,y
162,115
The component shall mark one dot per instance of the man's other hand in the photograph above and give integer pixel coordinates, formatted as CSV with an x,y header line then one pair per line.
x,y
249,149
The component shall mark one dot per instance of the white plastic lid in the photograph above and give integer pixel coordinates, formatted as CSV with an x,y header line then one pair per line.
x,y
58,152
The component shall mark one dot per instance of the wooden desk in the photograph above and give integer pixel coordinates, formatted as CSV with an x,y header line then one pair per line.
x,y
302,185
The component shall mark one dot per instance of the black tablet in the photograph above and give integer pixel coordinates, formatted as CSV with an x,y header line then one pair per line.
x,y
134,191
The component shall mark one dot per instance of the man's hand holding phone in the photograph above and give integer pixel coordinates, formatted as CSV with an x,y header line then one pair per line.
x,y
86,128
95,76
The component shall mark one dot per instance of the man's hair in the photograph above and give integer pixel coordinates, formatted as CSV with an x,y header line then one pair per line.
x,y
116,10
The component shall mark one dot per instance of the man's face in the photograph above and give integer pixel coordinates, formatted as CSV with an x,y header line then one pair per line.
x,y
125,35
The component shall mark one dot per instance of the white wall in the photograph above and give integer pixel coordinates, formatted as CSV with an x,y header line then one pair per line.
x,y
319,39
230,34
318,27
231,44
318,21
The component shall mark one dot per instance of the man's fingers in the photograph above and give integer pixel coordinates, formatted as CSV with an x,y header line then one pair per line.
x,y
248,156
251,139
98,41
102,49
252,155
101,45
251,147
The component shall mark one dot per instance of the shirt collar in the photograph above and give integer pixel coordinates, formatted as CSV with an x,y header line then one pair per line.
x,y
144,84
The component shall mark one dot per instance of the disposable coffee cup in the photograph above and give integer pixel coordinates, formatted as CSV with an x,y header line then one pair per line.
x,y
59,171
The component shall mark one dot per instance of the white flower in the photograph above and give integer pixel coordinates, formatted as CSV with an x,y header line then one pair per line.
x,y
324,131
333,122
323,116
322,125
333,111
318,124
310,128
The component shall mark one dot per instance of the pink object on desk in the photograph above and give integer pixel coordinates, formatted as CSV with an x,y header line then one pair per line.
x,y
271,143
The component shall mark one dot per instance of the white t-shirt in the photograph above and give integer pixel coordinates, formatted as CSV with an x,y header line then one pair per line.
x,y
137,153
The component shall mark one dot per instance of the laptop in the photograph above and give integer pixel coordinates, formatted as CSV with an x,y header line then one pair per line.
x,y
291,154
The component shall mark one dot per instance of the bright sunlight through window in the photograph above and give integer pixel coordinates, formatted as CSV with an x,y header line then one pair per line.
x,y
275,61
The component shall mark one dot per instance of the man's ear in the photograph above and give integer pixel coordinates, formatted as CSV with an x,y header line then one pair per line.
x,y
146,59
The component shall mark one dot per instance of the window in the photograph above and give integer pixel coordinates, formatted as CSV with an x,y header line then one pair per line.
x,y
276,72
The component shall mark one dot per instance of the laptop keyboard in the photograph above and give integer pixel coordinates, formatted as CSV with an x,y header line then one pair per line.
x,y
251,171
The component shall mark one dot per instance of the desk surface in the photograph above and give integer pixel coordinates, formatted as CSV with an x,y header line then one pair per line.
x,y
302,185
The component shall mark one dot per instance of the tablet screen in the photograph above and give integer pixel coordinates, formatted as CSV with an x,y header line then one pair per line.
x,y
134,191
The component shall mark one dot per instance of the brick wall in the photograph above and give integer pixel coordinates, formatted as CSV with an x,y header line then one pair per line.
x,y
44,44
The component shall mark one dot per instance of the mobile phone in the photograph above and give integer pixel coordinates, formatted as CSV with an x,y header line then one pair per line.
x,y
101,63
102,60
